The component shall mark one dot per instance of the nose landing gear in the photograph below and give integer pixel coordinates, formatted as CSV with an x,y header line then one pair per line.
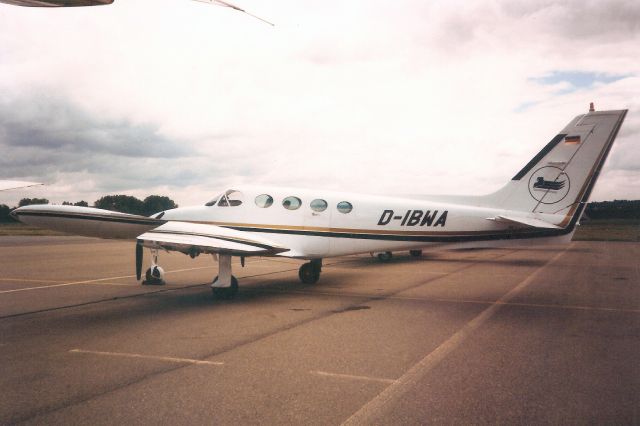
x,y
155,274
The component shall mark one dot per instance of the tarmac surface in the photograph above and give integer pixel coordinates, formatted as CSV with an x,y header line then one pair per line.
x,y
535,336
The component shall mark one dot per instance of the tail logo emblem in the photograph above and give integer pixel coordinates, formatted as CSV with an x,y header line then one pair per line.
x,y
549,185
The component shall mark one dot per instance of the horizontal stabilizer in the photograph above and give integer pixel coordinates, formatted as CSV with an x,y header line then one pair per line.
x,y
195,238
527,221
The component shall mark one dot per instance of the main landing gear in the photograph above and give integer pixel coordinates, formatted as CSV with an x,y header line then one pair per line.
x,y
384,256
309,273
225,285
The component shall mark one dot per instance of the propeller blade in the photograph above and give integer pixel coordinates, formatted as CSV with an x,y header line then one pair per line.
x,y
139,254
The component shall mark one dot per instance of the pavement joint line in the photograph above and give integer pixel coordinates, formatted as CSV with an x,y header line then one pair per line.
x,y
372,410
537,305
30,281
93,281
151,357
425,299
352,377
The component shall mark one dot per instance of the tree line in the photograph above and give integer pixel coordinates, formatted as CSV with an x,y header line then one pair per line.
x,y
617,209
119,203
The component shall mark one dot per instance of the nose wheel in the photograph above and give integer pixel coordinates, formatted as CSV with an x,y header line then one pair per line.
x,y
155,274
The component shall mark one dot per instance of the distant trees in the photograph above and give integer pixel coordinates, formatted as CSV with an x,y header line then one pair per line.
x,y
617,209
79,203
120,203
156,203
128,204
30,201
4,213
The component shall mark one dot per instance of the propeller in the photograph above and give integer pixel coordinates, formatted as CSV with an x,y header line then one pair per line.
x,y
139,254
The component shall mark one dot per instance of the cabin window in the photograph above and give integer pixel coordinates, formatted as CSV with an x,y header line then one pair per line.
x,y
291,203
344,207
318,205
213,201
231,198
264,201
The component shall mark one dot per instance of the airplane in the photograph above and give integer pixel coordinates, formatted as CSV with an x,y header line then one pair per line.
x,y
315,224
78,3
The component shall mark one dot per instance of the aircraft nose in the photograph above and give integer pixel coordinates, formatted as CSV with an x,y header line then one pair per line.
x,y
15,213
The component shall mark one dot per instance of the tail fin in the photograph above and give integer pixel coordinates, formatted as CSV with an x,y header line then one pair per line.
x,y
559,180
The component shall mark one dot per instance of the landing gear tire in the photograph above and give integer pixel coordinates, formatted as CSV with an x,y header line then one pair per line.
x,y
225,293
385,256
154,276
309,273
415,253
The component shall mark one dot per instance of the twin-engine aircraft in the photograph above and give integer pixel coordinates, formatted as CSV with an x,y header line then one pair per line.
x,y
541,204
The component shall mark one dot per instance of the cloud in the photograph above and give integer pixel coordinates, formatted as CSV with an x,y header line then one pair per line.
x,y
50,123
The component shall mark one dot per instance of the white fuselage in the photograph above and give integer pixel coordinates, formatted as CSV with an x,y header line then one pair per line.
x,y
375,223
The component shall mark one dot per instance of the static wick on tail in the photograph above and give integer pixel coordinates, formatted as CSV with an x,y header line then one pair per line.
x,y
234,7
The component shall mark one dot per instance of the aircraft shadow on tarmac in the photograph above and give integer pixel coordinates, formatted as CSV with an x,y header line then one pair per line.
x,y
434,258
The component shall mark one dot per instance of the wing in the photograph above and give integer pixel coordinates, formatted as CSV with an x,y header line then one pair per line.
x,y
86,221
56,3
196,238
526,221
15,184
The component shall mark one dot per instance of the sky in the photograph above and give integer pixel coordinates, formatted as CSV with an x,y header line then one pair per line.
x,y
185,99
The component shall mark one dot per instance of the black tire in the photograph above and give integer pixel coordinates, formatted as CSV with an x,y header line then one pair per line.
x,y
385,256
152,277
225,293
415,253
309,274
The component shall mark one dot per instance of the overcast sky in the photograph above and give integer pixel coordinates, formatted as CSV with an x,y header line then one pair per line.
x,y
180,98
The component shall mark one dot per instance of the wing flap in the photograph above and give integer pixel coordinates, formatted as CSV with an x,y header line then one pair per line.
x,y
196,238
527,221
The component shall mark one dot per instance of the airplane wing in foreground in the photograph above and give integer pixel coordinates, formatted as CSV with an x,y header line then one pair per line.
x,y
56,3
196,238
15,184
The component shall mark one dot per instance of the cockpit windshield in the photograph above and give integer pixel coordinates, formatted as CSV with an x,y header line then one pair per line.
x,y
231,198
213,201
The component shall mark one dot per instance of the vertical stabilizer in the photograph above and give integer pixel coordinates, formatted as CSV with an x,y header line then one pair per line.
x,y
560,178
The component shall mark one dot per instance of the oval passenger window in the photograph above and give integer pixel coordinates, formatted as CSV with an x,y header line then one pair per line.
x,y
264,201
318,205
291,203
344,207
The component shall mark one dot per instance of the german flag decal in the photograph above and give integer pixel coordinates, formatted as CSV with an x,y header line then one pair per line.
x,y
575,139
